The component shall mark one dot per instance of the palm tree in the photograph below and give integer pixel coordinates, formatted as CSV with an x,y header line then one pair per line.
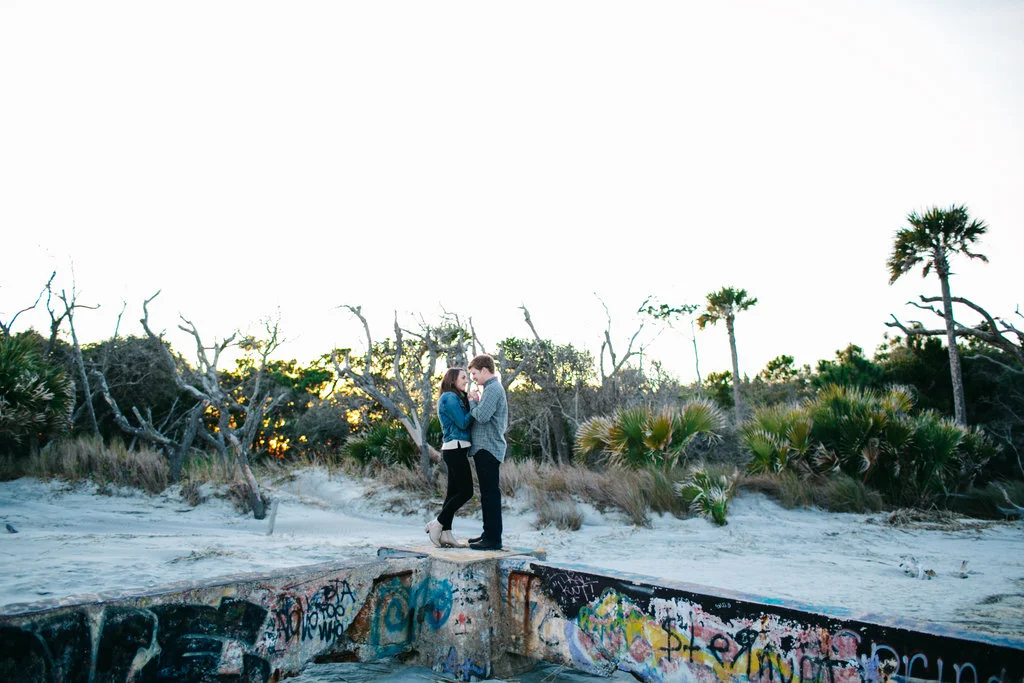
x,y
724,305
931,239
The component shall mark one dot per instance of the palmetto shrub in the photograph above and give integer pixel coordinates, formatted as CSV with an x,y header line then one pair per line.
x,y
382,444
774,436
871,436
36,397
642,437
708,491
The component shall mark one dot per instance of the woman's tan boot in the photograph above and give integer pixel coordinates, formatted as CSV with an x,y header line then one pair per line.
x,y
433,529
449,541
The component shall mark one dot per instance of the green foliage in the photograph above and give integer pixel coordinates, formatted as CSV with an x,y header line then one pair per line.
x,y
850,368
664,311
780,369
36,396
536,361
774,435
931,238
305,420
872,436
708,492
640,437
718,386
383,444
314,426
723,305
836,492
996,500
139,375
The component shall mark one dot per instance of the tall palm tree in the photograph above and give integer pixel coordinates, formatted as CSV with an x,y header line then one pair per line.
x,y
724,305
931,239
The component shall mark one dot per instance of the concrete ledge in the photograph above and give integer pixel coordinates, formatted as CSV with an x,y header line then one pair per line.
x,y
667,631
462,555
471,615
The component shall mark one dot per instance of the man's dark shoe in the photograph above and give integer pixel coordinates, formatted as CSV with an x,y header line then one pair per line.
x,y
483,544
477,539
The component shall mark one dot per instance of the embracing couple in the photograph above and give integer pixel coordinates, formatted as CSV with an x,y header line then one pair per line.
x,y
473,426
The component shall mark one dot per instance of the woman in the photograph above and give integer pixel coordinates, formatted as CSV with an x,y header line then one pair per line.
x,y
453,410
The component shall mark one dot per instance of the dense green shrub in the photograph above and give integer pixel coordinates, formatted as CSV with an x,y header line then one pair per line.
x,y
872,436
642,437
384,444
36,396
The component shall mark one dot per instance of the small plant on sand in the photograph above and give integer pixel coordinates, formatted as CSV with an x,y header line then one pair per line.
x,y
708,491
560,512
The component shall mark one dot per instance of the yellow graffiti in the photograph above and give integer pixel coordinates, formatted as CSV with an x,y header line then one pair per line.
x,y
625,632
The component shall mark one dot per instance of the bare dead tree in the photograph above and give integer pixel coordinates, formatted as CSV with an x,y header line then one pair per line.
x,y
474,345
616,363
70,304
460,353
548,383
668,315
117,330
253,407
408,393
175,448
994,331
57,318
6,328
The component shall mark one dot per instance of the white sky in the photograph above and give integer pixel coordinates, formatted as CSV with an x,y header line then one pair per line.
x,y
250,157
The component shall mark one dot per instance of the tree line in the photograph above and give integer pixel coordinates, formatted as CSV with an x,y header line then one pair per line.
x,y
139,389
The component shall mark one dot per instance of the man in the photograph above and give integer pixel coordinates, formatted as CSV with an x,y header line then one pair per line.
x,y
487,436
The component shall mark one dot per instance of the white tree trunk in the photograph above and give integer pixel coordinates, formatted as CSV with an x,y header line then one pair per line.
x,y
730,325
959,404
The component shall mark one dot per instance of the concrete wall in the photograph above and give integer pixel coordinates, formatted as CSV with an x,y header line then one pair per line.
x,y
668,631
470,615
440,609
244,628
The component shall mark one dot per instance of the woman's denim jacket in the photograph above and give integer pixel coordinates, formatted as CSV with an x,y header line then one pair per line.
x,y
455,417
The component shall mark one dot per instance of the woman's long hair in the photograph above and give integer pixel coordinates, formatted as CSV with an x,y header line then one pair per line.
x,y
448,384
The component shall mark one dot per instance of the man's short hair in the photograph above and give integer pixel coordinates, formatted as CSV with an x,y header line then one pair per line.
x,y
482,362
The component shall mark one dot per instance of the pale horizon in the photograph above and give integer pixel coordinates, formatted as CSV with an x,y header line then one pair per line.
x,y
248,158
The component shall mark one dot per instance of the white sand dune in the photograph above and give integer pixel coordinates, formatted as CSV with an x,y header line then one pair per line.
x,y
73,539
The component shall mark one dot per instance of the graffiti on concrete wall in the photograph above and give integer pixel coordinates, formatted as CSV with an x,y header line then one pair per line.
x,y
456,622
56,647
250,632
161,642
434,599
322,612
462,668
447,616
384,622
598,623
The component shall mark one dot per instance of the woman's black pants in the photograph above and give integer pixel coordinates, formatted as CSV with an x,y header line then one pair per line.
x,y
460,484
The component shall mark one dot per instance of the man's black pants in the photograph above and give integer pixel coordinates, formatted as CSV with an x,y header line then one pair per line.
x,y
490,494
